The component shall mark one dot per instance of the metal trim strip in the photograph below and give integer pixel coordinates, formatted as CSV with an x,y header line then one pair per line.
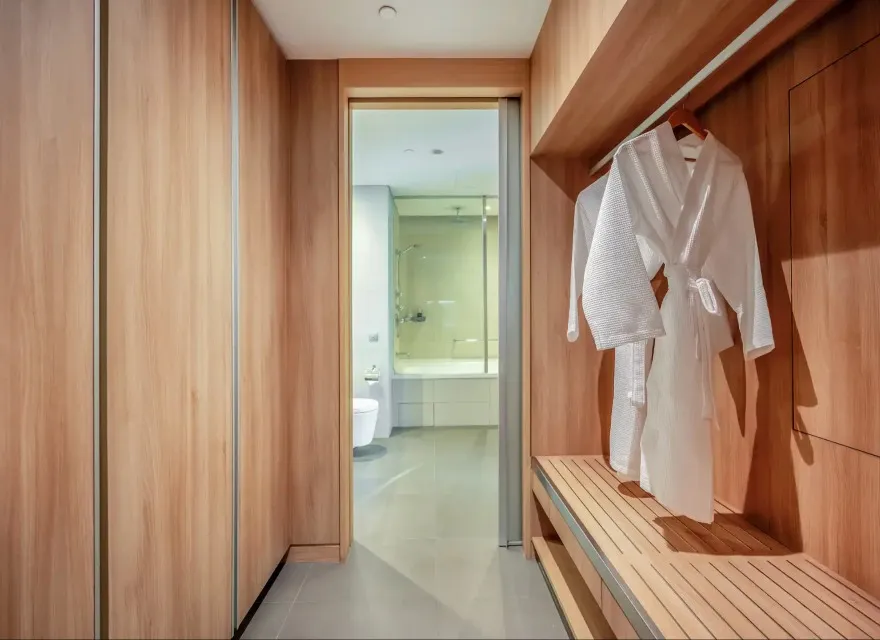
x,y
97,353
775,10
236,297
555,600
629,604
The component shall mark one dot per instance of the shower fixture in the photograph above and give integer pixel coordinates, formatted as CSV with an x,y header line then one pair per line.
x,y
400,314
400,252
458,218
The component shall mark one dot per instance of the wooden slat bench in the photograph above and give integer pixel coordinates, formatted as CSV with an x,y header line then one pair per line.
x,y
625,566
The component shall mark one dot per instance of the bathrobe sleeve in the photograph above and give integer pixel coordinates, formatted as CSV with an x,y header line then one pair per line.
x,y
586,210
618,300
735,266
580,248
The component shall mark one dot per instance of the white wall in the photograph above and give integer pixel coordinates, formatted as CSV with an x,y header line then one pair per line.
x,y
371,296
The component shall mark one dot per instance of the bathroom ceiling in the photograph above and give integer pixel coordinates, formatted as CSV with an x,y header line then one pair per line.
x,y
431,207
398,148
329,29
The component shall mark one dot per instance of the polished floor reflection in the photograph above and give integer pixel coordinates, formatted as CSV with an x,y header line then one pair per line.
x,y
426,561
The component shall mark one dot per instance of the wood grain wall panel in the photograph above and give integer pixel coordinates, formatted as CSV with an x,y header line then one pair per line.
x,y
809,492
264,447
838,501
46,294
433,77
169,304
835,130
570,35
570,382
314,296
793,21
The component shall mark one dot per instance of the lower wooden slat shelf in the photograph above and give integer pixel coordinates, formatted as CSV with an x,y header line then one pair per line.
x,y
582,613
659,575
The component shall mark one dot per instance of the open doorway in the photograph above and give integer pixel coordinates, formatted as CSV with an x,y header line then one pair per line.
x,y
425,324
436,362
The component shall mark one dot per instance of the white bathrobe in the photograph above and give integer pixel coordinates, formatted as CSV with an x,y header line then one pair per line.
x,y
631,361
701,226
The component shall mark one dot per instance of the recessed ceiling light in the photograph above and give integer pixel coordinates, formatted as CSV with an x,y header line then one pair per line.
x,y
437,152
387,12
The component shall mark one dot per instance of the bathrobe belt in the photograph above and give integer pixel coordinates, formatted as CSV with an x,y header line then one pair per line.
x,y
700,298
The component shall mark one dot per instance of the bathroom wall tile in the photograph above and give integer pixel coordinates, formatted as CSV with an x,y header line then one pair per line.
x,y
461,390
447,267
415,415
462,414
412,391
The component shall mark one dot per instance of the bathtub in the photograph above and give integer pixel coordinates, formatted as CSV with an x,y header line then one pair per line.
x,y
451,392
445,368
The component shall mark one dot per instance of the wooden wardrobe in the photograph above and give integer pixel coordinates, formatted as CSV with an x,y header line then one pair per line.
x,y
797,448
144,171
47,509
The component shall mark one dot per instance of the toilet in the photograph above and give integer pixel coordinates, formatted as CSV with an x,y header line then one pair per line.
x,y
366,414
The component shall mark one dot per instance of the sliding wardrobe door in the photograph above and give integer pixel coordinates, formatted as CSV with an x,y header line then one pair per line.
x,y
46,321
510,327
169,319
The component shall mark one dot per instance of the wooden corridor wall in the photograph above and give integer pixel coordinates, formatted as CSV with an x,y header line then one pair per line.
x,y
166,436
165,559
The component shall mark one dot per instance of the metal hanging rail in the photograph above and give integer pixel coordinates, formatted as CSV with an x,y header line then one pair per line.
x,y
779,7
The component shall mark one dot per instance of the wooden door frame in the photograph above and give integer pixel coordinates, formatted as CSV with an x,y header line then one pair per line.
x,y
448,80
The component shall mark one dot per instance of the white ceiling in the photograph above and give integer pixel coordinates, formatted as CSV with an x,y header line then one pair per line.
x,y
468,138
329,29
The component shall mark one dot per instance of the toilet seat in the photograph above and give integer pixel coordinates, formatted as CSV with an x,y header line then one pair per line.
x,y
365,405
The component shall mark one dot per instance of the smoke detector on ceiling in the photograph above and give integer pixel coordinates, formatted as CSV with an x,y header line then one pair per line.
x,y
387,12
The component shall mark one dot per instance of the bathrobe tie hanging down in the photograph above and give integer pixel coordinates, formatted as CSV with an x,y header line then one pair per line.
x,y
700,297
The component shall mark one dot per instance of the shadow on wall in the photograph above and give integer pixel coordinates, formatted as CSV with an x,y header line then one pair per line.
x,y
771,481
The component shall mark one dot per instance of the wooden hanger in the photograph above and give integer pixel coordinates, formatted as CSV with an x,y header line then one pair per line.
x,y
682,117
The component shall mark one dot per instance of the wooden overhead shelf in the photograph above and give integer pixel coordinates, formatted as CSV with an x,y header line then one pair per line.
x,y
649,51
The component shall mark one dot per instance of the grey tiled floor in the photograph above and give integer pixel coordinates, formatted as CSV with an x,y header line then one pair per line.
x,y
426,562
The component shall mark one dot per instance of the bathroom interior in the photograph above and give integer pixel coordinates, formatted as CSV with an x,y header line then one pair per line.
x,y
425,322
